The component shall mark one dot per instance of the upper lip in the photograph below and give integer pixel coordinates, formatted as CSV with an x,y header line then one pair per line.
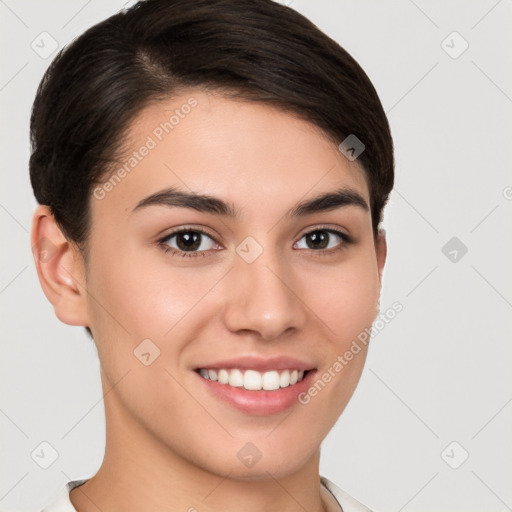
x,y
259,364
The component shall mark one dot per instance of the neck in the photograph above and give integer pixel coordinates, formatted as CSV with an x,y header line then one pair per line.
x,y
140,474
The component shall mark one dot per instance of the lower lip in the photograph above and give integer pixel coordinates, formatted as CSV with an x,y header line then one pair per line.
x,y
261,402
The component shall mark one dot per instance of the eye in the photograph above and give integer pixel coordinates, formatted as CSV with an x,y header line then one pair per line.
x,y
187,242
194,242
322,238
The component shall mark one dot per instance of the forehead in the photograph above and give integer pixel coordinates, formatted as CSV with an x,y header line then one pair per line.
x,y
251,153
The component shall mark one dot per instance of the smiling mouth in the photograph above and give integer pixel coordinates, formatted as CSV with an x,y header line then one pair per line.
x,y
253,380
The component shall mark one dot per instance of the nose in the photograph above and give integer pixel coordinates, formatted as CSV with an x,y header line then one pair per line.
x,y
264,297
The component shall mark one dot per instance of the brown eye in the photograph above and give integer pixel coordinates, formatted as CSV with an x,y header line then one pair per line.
x,y
321,239
188,241
318,239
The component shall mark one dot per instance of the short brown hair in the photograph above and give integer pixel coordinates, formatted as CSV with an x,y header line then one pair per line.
x,y
258,50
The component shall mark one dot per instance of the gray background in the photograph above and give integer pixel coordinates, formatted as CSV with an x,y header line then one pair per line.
x,y
438,373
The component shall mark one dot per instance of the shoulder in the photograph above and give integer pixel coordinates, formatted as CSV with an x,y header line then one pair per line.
x,y
347,502
61,502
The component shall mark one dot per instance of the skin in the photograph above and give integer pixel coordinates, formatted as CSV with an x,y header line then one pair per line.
x,y
169,443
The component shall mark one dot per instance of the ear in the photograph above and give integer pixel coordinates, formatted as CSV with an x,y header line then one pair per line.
x,y
381,251
60,268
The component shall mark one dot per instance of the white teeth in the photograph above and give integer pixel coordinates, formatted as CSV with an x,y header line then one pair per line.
x,y
270,381
236,378
223,377
253,380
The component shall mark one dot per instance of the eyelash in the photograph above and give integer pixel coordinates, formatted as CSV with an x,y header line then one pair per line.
x,y
196,254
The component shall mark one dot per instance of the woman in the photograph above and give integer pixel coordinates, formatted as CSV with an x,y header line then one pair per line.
x,y
211,178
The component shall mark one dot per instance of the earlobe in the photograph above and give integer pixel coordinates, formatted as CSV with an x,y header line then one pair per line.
x,y
60,268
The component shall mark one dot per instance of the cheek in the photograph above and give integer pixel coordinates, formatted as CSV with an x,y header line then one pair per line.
x,y
144,297
138,298
345,301
345,298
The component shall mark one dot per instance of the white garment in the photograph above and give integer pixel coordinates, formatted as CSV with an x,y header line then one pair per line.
x,y
338,500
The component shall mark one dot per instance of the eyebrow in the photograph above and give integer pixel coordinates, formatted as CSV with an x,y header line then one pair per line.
x,y
173,197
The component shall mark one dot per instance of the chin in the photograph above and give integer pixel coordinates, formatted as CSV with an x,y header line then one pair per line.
x,y
258,460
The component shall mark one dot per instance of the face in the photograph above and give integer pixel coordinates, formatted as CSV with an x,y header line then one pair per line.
x,y
191,300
